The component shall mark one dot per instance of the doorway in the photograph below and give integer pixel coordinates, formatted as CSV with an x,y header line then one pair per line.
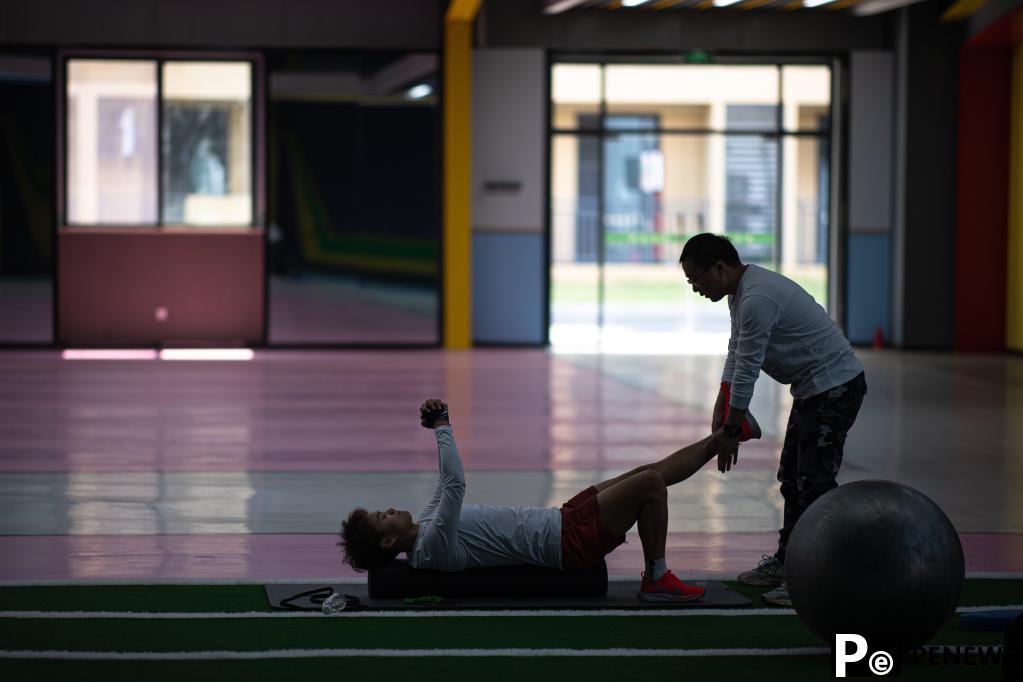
x,y
644,156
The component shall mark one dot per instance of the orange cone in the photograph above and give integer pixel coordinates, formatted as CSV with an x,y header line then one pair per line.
x,y
878,338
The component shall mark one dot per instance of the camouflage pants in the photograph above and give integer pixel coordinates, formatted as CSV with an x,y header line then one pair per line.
x,y
812,453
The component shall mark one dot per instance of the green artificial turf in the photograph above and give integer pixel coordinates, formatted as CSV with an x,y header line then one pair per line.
x,y
976,592
149,598
653,632
440,669
583,632
241,598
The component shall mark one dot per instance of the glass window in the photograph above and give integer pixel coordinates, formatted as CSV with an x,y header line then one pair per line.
x,y
751,182
805,213
111,142
353,245
27,172
202,172
647,221
575,96
659,153
806,96
575,238
689,97
207,143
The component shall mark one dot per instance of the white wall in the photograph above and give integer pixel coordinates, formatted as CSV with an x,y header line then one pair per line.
x,y
871,141
508,147
508,142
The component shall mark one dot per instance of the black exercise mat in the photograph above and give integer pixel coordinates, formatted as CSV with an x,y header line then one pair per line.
x,y
397,580
620,595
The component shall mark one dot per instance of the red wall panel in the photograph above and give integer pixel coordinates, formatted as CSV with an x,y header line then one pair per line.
x,y
982,200
112,285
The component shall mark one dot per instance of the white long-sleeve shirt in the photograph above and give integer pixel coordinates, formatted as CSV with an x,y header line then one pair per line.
x,y
453,536
778,327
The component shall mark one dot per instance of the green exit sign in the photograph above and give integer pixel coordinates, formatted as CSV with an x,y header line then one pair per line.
x,y
697,57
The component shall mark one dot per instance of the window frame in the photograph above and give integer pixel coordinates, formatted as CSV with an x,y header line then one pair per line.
x,y
257,128
836,134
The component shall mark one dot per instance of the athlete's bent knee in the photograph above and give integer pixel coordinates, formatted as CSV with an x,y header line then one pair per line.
x,y
653,483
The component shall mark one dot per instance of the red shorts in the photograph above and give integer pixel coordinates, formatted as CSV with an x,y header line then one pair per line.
x,y
584,539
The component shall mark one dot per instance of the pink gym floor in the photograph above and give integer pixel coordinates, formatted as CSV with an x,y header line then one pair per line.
x,y
152,470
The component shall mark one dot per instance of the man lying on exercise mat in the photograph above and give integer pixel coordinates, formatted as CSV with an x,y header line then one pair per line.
x,y
449,536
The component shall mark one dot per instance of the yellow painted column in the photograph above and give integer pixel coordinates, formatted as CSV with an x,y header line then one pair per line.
x,y
1014,248
457,284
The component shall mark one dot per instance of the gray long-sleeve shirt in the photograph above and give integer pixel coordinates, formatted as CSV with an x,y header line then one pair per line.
x,y
453,536
778,327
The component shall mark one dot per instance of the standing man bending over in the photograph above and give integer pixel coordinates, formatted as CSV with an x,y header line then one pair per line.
x,y
449,536
778,327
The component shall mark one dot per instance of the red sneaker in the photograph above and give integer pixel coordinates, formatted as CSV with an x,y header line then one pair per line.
x,y
668,589
750,427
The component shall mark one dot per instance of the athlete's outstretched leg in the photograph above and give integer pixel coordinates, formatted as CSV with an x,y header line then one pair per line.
x,y
676,467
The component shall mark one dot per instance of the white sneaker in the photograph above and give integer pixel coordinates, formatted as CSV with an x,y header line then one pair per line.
x,y
779,596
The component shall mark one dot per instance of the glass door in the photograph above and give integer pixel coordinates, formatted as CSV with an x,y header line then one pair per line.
x,y
645,156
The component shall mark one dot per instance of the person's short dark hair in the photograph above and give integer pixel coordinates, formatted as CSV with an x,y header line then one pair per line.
x,y
360,544
705,249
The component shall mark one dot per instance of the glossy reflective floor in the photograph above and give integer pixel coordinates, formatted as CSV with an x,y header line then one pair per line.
x,y
242,470
310,309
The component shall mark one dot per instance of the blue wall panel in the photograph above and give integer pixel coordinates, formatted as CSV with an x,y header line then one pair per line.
x,y
868,305
508,287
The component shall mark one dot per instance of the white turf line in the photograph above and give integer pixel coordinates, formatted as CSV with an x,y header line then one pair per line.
x,y
347,580
150,582
446,613
403,653
421,653
227,615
